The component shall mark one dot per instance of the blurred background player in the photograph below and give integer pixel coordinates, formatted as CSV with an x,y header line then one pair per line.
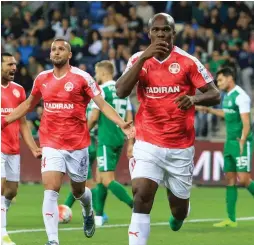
x,y
166,78
238,147
110,140
66,91
12,94
90,183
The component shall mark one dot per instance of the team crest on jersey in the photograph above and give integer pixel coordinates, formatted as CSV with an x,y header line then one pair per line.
x,y
174,68
68,86
16,93
230,103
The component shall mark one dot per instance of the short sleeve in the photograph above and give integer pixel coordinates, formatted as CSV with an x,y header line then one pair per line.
x,y
94,106
198,74
36,92
91,87
244,103
23,95
129,107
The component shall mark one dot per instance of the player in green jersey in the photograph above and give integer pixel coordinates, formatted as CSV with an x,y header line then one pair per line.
x,y
110,140
238,147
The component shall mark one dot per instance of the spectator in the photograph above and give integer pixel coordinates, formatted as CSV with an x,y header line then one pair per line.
x,y
94,43
231,20
213,22
25,49
32,67
6,28
182,12
16,22
243,24
199,11
145,11
76,41
43,32
135,22
235,39
24,79
64,30
215,63
123,8
212,42
74,19
224,36
85,28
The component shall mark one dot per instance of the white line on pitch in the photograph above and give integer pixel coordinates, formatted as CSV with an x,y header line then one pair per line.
x,y
126,225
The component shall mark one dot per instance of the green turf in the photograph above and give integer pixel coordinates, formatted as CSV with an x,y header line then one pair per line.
x,y
205,203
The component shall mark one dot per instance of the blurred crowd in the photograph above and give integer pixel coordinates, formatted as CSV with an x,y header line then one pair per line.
x,y
218,33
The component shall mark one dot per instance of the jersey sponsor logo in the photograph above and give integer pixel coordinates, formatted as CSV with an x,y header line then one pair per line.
x,y
68,86
203,71
174,68
50,106
6,110
92,85
16,93
161,90
44,85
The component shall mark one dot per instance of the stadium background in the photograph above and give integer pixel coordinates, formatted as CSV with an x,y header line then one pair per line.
x,y
218,33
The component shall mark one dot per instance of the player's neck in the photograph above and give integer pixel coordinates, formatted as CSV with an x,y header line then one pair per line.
x,y
231,88
4,82
61,71
106,79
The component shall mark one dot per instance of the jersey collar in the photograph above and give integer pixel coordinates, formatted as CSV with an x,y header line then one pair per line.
x,y
233,90
161,62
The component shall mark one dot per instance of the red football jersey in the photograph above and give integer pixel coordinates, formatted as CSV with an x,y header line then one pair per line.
x,y
64,124
11,96
158,120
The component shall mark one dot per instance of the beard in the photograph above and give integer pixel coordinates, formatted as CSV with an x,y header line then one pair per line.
x,y
59,62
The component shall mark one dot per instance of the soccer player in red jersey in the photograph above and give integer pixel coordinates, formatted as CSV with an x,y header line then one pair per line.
x,y
63,133
12,95
167,78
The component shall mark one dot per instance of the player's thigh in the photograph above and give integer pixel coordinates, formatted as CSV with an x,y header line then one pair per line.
x,y
12,168
106,158
179,171
53,168
77,163
244,178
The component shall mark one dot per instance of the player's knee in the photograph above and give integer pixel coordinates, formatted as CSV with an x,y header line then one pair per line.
x,y
143,201
78,191
244,181
10,192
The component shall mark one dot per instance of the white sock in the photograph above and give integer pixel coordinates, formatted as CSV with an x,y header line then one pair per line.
x,y
51,214
86,202
139,229
7,203
3,217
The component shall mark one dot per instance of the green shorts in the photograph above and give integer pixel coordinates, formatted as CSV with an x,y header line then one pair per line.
x,y
92,157
233,161
108,157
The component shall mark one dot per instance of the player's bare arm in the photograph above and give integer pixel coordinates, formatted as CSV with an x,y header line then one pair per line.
x,y
28,138
93,118
127,81
112,115
210,96
206,109
20,111
130,143
245,117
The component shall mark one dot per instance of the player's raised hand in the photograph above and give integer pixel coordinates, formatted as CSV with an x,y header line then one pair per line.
x,y
184,102
159,47
37,153
128,129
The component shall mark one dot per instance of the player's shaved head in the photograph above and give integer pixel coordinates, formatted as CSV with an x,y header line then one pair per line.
x,y
66,43
169,20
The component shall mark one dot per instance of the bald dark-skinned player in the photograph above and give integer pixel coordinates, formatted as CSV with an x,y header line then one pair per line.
x,y
167,78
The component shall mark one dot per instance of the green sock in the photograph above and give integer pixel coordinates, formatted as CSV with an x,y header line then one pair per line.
x,y
175,224
94,191
101,194
69,200
250,188
120,192
231,198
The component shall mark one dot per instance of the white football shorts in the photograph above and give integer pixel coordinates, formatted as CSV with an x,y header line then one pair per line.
x,y
75,163
172,168
10,167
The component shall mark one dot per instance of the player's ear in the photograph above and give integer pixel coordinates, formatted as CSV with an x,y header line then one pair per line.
x,y
149,34
70,55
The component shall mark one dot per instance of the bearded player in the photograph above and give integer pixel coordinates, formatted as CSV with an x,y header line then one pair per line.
x,y
64,137
12,94
166,78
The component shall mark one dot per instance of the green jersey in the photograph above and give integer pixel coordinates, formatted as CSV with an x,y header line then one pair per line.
x,y
88,114
108,132
234,104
